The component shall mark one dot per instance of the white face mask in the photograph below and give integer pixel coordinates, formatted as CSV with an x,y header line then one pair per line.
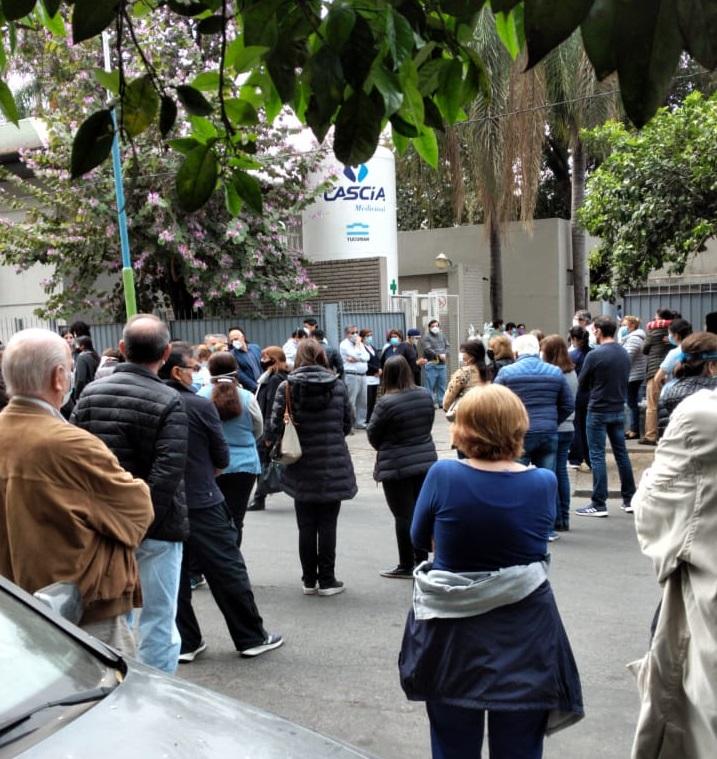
x,y
461,358
576,323
237,344
435,330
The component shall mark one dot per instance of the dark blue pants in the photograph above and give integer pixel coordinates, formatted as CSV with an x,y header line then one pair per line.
x,y
541,449
612,425
457,733
562,517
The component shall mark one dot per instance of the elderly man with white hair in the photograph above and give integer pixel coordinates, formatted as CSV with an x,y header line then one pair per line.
x,y
68,511
544,390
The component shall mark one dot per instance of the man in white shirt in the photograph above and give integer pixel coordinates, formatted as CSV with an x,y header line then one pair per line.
x,y
291,346
355,358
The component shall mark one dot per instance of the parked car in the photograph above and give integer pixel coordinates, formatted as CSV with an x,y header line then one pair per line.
x,y
66,694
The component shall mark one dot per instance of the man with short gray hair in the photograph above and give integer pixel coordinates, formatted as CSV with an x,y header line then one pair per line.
x,y
68,511
144,423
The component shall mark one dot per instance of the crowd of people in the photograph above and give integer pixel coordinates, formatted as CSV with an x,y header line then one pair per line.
x,y
130,474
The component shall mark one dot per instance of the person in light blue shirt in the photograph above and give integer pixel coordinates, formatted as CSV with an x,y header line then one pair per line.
x,y
678,330
242,425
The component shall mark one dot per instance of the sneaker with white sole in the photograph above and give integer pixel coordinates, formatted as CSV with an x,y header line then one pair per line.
x,y
188,656
273,640
591,510
553,537
332,589
627,508
311,590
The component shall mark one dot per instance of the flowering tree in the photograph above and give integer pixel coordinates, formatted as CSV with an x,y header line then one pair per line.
x,y
203,260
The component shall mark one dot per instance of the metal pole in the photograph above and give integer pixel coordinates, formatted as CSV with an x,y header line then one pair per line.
x,y
127,270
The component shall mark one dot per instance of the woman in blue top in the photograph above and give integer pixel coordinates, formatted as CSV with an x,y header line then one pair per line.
x,y
242,425
495,643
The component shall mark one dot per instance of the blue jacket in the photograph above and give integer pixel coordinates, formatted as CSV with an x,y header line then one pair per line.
x,y
542,388
249,366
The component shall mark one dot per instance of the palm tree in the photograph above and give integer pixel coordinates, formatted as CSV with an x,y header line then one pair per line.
x,y
579,102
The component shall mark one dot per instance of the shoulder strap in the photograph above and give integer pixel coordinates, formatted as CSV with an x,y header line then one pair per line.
x,y
288,410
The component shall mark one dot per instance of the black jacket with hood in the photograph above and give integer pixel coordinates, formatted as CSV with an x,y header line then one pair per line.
x,y
323,418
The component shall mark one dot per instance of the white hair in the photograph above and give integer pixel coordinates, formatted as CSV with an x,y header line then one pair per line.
x,y
526,345
29,360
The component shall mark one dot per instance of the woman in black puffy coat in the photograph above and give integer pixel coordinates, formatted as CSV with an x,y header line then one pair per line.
x,y
400,430
324,475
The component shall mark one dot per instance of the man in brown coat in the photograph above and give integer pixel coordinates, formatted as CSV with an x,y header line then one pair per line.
x,y
68,511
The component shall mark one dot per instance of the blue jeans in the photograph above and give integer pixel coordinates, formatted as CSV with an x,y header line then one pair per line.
x,y
435,378
160,563
457,731
599,425
565,439
540,449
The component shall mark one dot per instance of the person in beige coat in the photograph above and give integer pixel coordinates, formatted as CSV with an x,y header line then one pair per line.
x,y
676,520
68,511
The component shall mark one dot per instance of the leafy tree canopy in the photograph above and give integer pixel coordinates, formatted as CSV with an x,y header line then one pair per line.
x,y
653,201
354,65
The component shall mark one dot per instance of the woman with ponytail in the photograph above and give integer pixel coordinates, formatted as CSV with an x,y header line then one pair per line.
x,y
242,425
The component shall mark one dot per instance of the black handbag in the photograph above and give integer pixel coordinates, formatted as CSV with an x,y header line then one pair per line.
x,y
270,477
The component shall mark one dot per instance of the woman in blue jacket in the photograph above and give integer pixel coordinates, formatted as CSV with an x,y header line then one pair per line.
x,y
495,643
242,425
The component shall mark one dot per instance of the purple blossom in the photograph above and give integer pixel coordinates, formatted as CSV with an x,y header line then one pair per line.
x,y
154,199
166,235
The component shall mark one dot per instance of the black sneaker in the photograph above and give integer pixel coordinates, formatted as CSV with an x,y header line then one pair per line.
x,y
332,589
188,656
397,573
197,581
273,640
258,504
627,508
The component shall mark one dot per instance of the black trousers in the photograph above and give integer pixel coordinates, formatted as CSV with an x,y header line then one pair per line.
x,y
212,546
401,496
579,450
236,489
371,393
317,541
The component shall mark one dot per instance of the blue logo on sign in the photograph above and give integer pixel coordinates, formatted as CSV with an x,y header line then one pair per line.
x,y
357,232
356,176
357,190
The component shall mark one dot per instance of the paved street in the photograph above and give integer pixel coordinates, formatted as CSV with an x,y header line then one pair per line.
x,y
337,672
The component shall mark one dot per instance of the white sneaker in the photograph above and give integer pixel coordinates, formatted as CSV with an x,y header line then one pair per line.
x,y
331,590
188,656
272,641
311,591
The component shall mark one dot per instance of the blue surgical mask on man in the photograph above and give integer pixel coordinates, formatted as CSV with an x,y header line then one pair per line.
x,y
672,339
369,339
622,332
395,340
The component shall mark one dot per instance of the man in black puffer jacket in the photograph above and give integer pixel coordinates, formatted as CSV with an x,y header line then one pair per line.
x,y
143,422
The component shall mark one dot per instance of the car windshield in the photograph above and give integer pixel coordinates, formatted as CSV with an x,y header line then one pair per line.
x,y
39,662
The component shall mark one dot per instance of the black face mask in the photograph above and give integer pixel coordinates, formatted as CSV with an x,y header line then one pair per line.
x,y
266,362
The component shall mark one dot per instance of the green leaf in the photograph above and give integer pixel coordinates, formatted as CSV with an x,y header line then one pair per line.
x,y
462,8
183,145
260,22
403,127
242,58
450,89
400,142
240,112
649,45
248,189
432,116
507,30
358,127
203,129
399,36
211,25
339,23
550,22
326,80
53,22
7,104
429,75
358,54
231,199
207,81
477,78
427,147
187,9
3,57
503,6
412,107
598,33
282,70
167,115
698,22
17,9
92,143
110,80
193,101
387,84
139,105
90,17
196,178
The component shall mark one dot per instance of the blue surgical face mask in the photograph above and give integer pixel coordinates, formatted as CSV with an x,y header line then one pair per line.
x,y
395,341
672,340
369,339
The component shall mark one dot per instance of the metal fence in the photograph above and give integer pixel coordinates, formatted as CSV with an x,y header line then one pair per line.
x,y
694,302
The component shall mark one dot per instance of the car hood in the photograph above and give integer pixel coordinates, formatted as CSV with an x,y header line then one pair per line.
x,y
151,714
